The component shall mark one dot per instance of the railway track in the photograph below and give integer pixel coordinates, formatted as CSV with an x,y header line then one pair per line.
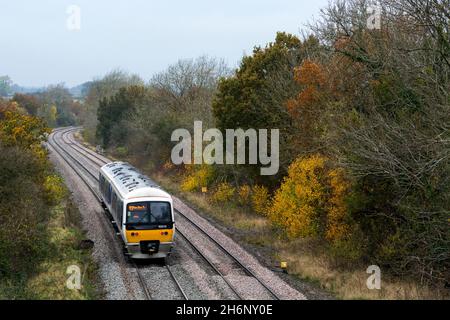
x,y
83,151
230,255
94,177
64,132
52,141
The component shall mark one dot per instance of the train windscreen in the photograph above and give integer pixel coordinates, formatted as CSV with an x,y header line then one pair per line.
x,y
149,214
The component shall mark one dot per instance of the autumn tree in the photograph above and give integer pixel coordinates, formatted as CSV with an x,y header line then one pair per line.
x,y
187,88
24,206
113,112
386,122
59,97
306,110
99,89
30,102
256,95
177,97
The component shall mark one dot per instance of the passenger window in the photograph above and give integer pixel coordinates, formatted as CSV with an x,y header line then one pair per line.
x,y
114,202
105,187
108,196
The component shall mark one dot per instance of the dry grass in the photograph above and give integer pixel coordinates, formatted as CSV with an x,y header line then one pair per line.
x,y
306,263
50,280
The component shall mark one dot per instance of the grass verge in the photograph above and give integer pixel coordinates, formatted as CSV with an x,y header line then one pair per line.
x,y
48,280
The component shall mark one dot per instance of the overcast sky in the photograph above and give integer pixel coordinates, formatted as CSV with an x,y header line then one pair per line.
x,y
140,36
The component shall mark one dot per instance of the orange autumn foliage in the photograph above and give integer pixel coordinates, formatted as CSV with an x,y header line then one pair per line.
x,y
310,74
311,77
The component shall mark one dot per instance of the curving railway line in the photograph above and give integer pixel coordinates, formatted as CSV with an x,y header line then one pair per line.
x,y
84,162
73,163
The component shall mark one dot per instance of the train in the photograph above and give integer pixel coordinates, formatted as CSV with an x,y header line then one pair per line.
x,y
140,210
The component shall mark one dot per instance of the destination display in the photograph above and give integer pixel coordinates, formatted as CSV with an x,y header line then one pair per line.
x,y
141,207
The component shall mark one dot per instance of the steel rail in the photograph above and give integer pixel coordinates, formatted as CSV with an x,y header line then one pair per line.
x,y
99,199
246,269
211,264
57,146
75,147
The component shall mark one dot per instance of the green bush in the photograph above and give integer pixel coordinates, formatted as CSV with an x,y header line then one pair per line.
x,y
121,151
23,212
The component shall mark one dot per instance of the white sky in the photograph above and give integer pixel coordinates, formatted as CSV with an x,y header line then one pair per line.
x,y
139,36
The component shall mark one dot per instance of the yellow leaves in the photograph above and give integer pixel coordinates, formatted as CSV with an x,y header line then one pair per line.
x,y
311,200
54,189
18,134
308,170
22,130
39,153
260,199
223,193
189,184
198,177
337,213
244,193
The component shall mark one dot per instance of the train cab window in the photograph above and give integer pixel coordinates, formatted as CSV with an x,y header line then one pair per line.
x,y
160,211
149,213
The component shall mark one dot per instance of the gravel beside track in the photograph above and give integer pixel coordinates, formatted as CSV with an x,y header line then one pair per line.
x,y
279,286
117,278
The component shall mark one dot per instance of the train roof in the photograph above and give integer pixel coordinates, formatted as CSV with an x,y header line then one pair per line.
x,y
130,182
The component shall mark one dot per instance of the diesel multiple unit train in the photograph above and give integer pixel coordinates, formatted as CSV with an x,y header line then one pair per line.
x,y
141,211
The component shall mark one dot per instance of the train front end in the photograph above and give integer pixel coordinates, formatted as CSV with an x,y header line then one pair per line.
x,y
149,228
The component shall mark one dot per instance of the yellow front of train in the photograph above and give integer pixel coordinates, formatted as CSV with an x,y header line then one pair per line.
x,y
149,228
